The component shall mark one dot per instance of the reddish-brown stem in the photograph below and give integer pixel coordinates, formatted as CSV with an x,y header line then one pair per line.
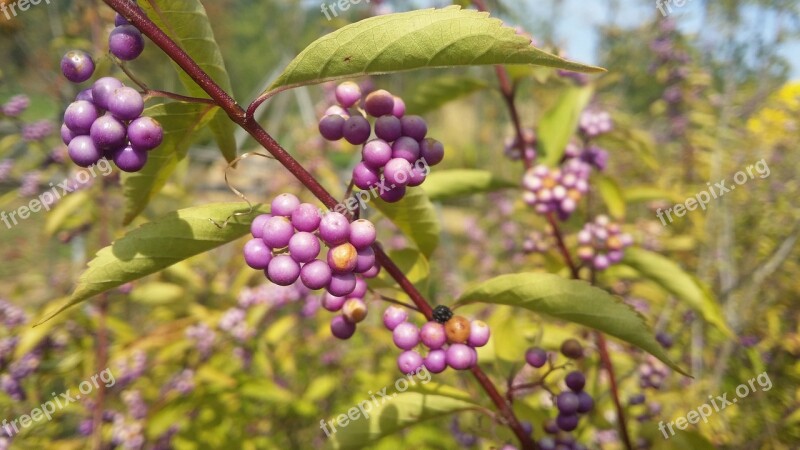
x,y
562,247
247,122
605,359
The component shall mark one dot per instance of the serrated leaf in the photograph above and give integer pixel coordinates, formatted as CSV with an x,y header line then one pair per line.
x,y
612,196
159,244
186,22
416,217
559,123
443,184
397,413
676,281
432,38
434,93
572,300
180,122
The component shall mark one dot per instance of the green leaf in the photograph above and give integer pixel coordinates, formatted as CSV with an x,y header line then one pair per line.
x,y
612,196
186,22
559,123
415,216
180,122
674,280
647,193
413,40
160,244
434,93
443,184
400,411
69,210
572,300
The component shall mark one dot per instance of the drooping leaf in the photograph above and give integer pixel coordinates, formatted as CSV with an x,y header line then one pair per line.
x,y
159,244
443,184
400,411
186,22
413,40
416,217
572,300
432,94
559,123
180,122
676,281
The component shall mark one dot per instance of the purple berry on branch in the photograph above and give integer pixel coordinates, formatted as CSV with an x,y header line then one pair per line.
x,y
129,159
126,42
379,103
394,316
145,133
77,66
103,89
317,275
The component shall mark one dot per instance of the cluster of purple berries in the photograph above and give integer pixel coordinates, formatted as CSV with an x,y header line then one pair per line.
x,y
450,340
16,105
352,307
595,122
399,156
511,146
286,244
556,190
602,243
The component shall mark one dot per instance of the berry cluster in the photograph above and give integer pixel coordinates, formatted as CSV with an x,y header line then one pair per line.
x,y
594,122
511,146
16,105
601,243
451,340
352,307
400,155
286,244
556,189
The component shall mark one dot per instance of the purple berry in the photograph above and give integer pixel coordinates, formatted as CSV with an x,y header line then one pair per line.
x,y
354,310
257,226
406,148
283,270
303,247
479,333
331,302
409,361
83,152
342,284
460,356
126,103
126,42
119,20
397,171
103,89
360,290
414,127
316,275
362,233
432,335
436,361
145,133
331,127
67,135
405,335
664,339
356,130
399,108
284,205
364,177
536,357
336,110
575,381
366,262
585,402
277,232
379,103
342,258
129,159
341,328
306,217
256,254
348,94
77,66
16,105
85,94
334,228
394,194
371,272
388,128
432,151
567,422
417,176
376,153
394,316
567,402
108,133
80,116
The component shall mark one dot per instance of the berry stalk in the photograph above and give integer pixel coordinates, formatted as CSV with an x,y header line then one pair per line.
x,y
135,16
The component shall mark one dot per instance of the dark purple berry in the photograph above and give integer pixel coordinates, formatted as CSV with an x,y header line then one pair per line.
x,y
145,133
567,402
567,422
664,339
80,116
331,127
585,402
364,177
388,128
77,66
66,134
417,176
356,130
103,89
129,159
341,328
414,127
432,151
379,103
406,148
394,194
126,103
575,381
376,153
436,361
119,20
442,314
550,426
108,133
126,42
360,290
85,94
83,152
365,262
330,302
342,284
